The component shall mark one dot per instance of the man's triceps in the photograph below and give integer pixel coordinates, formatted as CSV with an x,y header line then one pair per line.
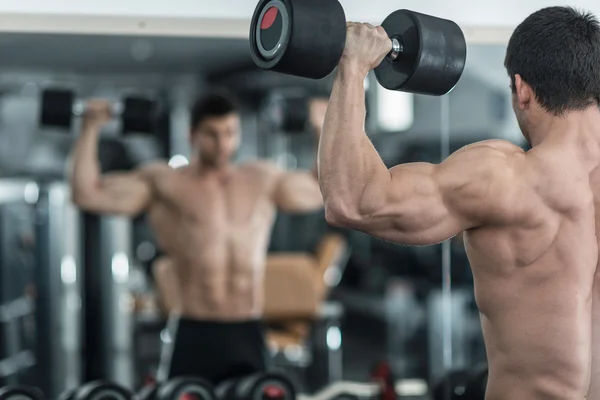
x,y
429,203
408,208
124,193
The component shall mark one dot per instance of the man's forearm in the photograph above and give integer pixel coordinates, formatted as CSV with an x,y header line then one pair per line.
x,y
348,162
85,173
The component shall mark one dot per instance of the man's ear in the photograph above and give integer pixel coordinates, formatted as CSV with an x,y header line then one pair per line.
x,y
524,93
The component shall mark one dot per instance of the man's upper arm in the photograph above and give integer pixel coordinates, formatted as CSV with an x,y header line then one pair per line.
x,y
424,204
297,191
127,193
292,191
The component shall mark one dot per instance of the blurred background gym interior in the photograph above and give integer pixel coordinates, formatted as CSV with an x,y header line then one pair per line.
x,y
79,300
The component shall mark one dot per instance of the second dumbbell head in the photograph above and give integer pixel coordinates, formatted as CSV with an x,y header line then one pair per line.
x,y
267,386
429,56
20,392
303,38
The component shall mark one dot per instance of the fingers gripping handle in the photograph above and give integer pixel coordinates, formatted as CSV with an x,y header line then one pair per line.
x,y
396,49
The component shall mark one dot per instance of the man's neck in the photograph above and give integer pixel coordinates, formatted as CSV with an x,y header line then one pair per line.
x,y
200,168
577,129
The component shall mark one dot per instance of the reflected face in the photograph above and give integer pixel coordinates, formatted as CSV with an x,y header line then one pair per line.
x,y
216,139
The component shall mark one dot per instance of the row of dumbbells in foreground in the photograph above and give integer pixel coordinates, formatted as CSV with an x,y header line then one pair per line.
x,y
263,386
260,386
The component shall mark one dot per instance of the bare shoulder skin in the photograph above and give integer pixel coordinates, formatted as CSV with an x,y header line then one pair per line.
x,y
527,218
293,191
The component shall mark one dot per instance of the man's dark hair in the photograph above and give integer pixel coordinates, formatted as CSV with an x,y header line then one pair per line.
x,y
215,104
556,50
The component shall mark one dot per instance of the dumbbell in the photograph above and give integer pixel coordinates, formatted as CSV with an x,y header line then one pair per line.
x,y
59,106
462,385
178,389
477,383
266,386
20,392
306,38
98,390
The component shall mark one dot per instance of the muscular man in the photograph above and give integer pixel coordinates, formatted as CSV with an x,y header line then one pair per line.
x,y
213,219
527,217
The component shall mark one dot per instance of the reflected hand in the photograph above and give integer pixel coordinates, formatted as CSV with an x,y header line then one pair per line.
x,y
97,113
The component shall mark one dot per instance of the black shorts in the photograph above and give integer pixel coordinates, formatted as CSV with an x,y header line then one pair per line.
x,y
216,351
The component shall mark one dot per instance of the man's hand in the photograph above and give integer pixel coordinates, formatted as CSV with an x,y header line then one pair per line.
x,y
97,113
366,47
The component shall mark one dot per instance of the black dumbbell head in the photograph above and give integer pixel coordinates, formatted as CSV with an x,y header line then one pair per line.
x,y
18,392
261,386
432,58
455,383
304,38
67,394
476,384
139,115
56,109
102,390
148,392
192,387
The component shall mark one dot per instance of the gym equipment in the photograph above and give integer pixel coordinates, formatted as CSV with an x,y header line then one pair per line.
x,y
266,386
148,392
477,384
306,38
184,388
98,390
346,391
59,106
462,385
20,392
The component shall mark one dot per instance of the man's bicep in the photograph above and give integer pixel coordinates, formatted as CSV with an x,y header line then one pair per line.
x,y
122,193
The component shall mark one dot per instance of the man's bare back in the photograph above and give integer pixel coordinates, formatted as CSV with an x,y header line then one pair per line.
x,y
594,392
529,218
533,279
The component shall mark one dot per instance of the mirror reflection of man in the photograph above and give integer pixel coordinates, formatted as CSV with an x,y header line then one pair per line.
x,y
213,220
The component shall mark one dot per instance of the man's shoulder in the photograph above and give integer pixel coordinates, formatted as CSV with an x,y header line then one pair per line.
x,y
152,169
494,146
262,167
